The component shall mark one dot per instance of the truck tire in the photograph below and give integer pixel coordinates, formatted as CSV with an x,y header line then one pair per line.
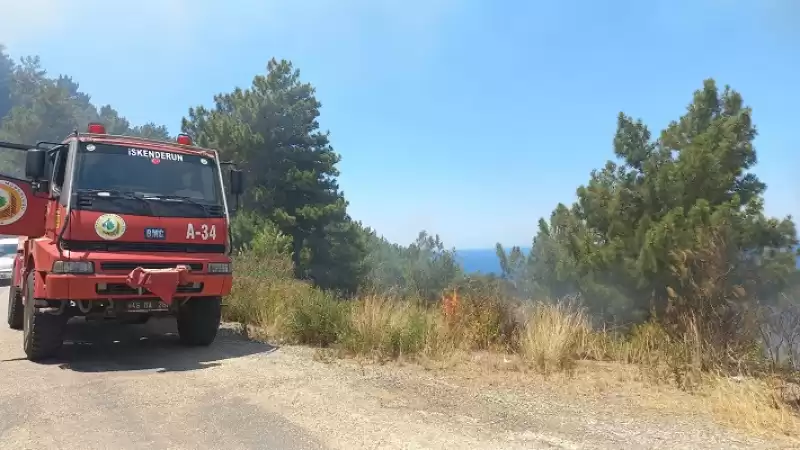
x,y
43,332
16,315
198,320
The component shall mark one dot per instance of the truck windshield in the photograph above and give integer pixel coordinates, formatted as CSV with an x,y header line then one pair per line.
x,y
146,172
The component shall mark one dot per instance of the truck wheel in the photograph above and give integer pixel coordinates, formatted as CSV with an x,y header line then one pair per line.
x,y
198,320
16,315
43,332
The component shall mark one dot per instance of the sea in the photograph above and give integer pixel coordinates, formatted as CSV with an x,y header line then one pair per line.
x,y
481,260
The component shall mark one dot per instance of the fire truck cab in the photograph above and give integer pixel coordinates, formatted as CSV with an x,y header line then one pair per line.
x,y
116,228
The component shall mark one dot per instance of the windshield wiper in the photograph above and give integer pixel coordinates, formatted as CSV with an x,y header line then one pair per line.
x,y
179,198
115,194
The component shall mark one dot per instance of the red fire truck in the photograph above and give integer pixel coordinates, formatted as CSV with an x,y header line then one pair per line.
x,y
116,228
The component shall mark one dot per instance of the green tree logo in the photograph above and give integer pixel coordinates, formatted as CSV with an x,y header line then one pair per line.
x,y
109,226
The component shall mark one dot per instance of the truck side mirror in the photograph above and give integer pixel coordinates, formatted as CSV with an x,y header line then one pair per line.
x,y
35,161
237,182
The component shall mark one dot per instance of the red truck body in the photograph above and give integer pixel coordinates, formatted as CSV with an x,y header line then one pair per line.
x,y
105,235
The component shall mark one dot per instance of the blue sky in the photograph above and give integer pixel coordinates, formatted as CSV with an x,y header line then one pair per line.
x,y
470,119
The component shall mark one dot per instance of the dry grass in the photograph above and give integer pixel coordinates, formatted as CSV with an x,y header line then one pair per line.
x,y
552,336
761,406
548,337
388,329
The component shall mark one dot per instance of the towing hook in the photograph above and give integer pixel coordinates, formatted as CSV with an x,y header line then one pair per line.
x,y
84,309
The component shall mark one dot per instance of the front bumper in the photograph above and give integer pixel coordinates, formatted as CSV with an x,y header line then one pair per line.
x,y
5,277
102,286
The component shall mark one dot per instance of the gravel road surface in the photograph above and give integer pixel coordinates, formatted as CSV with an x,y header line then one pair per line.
x,y
134,386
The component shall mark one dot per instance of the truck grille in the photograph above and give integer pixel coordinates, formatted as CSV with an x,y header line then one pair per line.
x,y
143,247
215,211
124,289
128,266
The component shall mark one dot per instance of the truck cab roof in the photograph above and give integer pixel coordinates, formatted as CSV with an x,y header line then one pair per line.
x,y
149,144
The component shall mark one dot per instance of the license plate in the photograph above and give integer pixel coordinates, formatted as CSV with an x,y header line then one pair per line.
x,y
145,306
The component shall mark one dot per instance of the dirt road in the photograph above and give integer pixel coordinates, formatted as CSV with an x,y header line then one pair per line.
x,y
135,387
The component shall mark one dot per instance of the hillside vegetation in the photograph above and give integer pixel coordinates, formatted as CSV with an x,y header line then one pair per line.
x,y
666,260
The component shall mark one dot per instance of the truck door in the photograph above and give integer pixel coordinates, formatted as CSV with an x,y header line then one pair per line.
x,y
21,212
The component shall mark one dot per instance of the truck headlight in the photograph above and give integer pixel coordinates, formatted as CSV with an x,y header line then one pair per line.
x,y
73,267
219,267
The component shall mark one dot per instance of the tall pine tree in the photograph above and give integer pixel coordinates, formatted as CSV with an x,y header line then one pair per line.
x,y
271,131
